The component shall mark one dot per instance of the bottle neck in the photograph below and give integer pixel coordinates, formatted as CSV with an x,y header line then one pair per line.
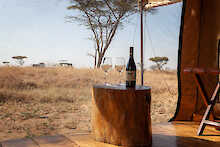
x,y
131,51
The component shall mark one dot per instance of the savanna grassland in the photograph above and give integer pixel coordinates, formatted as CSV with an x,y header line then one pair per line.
x,y
48,101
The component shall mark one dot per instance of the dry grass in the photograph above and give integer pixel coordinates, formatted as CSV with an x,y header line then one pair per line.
x,y
43,101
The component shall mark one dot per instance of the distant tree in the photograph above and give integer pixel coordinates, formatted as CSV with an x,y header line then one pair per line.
x,y
6,63
159,61
103,18
65,63
19,59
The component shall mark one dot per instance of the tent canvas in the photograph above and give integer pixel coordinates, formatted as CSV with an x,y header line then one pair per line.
x,y
148,4
198,47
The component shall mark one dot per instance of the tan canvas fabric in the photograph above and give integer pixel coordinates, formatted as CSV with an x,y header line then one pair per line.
x,y
189,55
157,3
199,41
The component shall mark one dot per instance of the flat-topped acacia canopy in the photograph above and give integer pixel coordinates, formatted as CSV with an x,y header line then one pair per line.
x,y
5,62
19,57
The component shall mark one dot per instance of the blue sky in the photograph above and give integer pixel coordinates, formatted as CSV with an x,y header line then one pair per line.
x,y
38,29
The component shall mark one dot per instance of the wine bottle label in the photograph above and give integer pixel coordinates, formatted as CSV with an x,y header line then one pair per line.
x,y
130,75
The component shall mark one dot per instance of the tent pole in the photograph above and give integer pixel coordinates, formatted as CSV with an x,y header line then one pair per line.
x,y
142,65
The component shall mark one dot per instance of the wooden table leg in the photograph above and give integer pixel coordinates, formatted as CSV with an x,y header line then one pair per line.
x,y
205,120
201,89
203,92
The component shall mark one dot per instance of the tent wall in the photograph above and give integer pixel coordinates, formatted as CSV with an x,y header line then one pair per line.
x,y
200,29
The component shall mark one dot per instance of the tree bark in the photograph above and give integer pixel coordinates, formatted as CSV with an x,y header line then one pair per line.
x,y
95,60
100,58
121,116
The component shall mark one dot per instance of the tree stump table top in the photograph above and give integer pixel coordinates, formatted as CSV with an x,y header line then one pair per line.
x,y
123,87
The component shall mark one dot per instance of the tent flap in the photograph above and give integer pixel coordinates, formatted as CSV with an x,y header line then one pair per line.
x,y
157,3
198,48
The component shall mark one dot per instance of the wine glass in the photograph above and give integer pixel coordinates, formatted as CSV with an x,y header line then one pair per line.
x,y
120,65
106,65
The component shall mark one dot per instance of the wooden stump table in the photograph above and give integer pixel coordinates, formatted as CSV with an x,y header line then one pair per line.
x,y
121,116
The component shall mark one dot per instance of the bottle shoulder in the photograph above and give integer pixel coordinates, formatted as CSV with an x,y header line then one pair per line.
x,y
131,64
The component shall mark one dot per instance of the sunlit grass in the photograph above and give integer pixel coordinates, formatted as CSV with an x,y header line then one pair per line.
x,y
42,101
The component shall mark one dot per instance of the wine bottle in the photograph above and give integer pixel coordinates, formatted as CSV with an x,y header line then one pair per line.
x,y
131,71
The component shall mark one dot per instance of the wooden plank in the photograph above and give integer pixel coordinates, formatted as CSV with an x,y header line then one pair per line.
x,y
53,141
26,142
177,134
88,141
212,123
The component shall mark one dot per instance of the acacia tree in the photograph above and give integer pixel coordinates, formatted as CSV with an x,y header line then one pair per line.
x,y
103,18
159,61
19,59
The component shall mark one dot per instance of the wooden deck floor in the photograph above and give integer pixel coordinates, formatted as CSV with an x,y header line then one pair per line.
x,y
176,134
